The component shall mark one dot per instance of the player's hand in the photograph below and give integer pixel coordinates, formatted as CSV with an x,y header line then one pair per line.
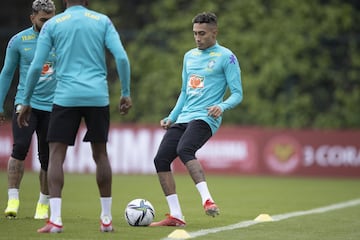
x,y
24,116
165,123
2,119
125,105
214,111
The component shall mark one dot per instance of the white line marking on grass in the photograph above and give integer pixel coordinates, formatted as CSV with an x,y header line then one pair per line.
x,y
278,217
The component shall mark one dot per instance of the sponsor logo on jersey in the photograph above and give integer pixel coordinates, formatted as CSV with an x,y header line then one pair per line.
x,y
196,81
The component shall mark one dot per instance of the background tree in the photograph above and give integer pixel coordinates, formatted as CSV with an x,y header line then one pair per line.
x,y
300,60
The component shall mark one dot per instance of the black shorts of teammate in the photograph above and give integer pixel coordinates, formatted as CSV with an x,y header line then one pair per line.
x,y
38,122
181,140
65,122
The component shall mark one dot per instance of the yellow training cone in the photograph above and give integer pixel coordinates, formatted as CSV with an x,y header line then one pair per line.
x,y
179,234
263,218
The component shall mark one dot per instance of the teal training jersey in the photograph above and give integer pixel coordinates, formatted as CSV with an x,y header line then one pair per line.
x,y
206,76
19,54
80,38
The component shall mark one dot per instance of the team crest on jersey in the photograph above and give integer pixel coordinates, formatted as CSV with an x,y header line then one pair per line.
x,y
196,81
211,64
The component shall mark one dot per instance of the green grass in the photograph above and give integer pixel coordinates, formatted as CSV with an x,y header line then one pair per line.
x,y
240,198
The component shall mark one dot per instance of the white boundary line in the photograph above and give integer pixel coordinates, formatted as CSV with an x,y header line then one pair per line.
x,y
278,217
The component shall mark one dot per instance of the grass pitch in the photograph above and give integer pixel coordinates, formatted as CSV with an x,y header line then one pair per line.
x,y
240,198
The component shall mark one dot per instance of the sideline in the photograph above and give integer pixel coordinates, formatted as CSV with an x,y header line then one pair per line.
x,y
278,217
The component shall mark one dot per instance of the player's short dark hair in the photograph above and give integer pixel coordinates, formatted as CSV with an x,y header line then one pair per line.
x,y
47,6
205,17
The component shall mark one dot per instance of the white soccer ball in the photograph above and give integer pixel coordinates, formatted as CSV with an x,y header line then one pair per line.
x,y
139,212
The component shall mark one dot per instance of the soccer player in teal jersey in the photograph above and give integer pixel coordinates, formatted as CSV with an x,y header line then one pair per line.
x,y
208,71
19,54
80,37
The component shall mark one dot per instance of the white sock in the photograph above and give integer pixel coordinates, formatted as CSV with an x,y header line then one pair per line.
x,y
55,211
174,205
13,193
106,203
204,192
43,198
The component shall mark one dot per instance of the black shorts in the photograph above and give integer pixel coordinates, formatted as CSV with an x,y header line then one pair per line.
x,y
65,123
181,140
38,122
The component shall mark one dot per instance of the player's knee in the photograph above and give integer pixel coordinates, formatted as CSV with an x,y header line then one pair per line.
x,y
19,151
185,154
99,155
161,165
44,164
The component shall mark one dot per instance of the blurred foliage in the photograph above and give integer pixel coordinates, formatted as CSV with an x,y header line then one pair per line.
x,y
300,60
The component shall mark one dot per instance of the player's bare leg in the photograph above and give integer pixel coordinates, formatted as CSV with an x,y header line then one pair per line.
x,y
55,173
103,169
42,206
104,182
175,218
167,183
195,170
55,177
15,174
197,174
44,188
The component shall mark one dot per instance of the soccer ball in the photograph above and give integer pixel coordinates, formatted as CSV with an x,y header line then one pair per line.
x,y
139,212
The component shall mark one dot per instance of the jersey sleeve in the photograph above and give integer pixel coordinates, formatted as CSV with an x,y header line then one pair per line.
x,y
113,43
182,97
233,78
12,58
43,48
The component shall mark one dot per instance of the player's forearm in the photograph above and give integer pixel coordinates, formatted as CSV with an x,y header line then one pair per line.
x,y
232,101
6,77
123,68
178,107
